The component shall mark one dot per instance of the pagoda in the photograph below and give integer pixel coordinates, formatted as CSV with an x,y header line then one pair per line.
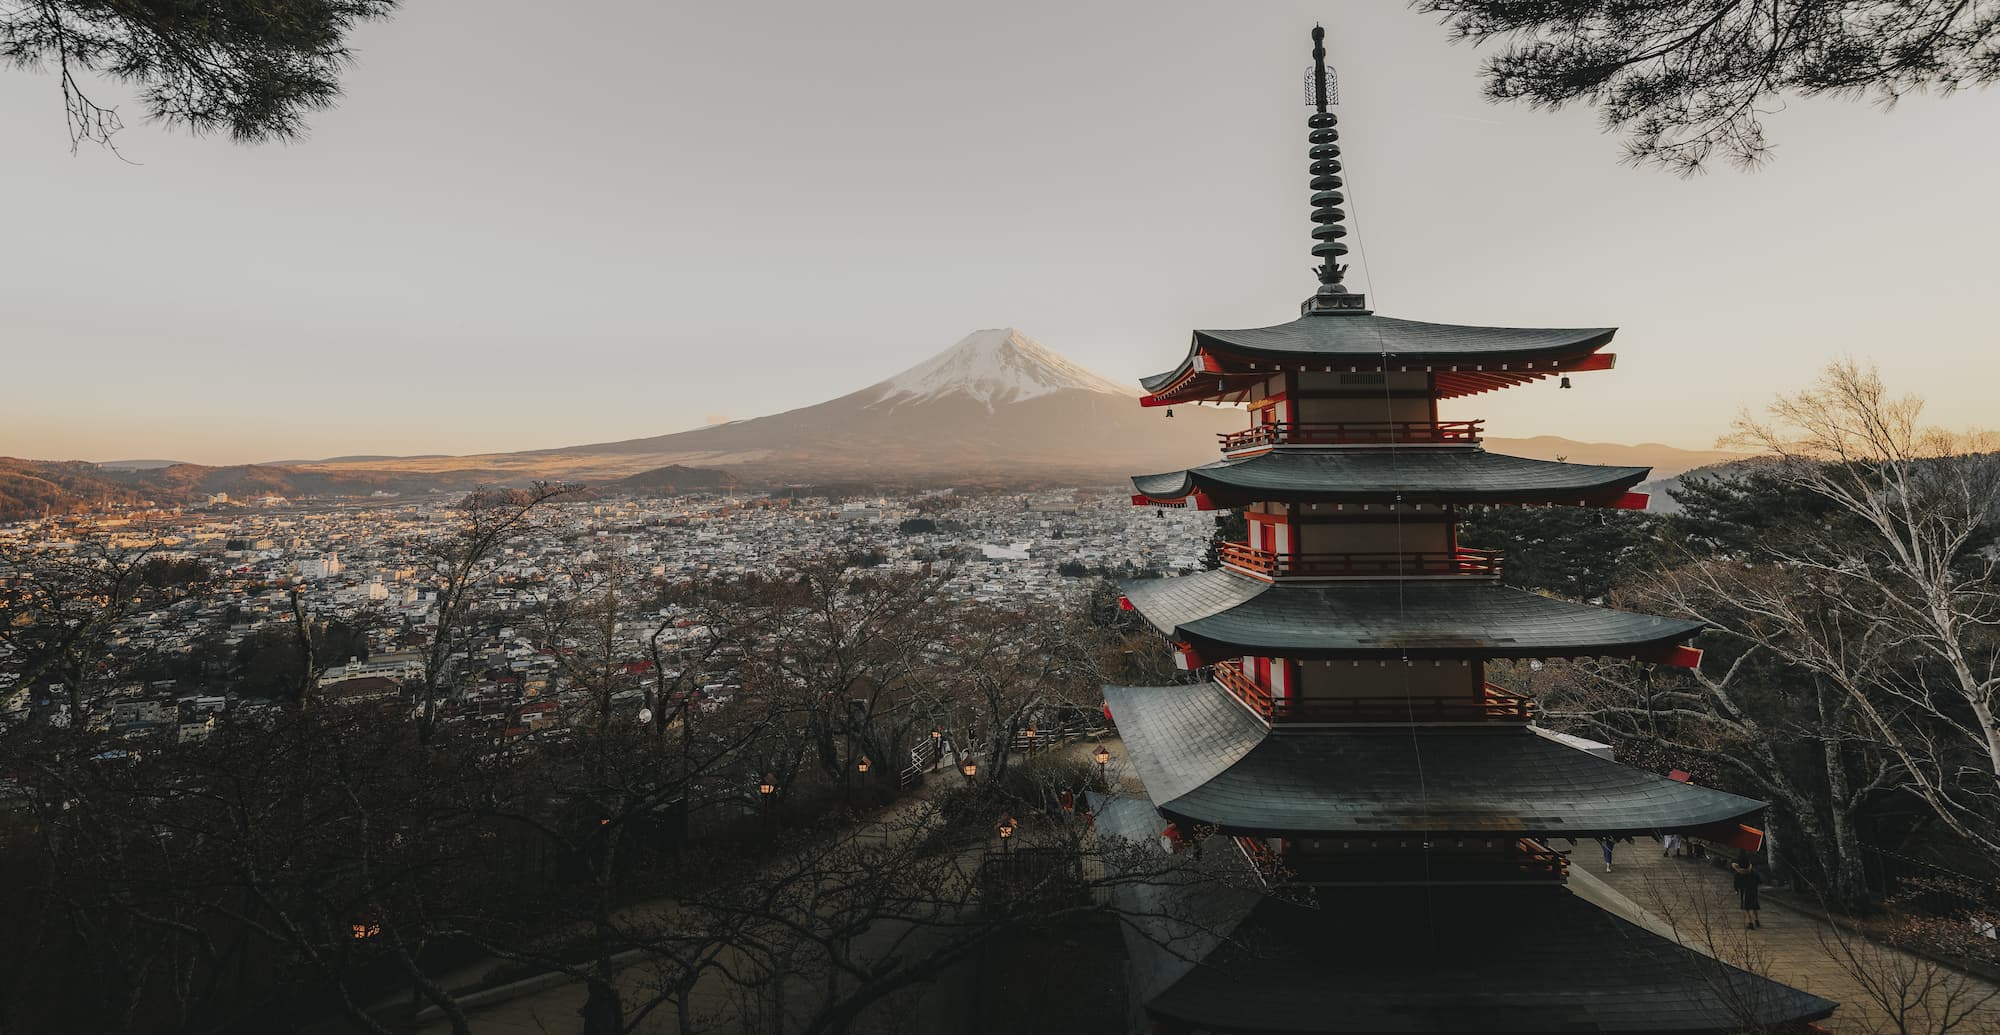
x,y
1346,739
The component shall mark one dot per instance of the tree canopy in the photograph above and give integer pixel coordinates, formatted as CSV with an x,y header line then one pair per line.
x,y
1684,80
252,68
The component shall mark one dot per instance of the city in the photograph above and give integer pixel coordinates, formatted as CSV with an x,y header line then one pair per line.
x,y
362,565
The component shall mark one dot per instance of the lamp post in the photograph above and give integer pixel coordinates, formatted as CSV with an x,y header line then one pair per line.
x,y
765,791
862,766
1030,733
937,747
1006,829
1102,756
970,769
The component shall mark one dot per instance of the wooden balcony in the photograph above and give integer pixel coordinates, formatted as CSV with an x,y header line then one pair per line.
x,y
1232,678
1492,705
1354,433
1245,558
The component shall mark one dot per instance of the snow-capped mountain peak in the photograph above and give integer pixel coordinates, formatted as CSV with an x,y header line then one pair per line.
x,y
995,366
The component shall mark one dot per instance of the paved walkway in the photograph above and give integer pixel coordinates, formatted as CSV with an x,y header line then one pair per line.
x,y
1692,901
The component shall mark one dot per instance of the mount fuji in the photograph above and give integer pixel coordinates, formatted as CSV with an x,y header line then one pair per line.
x,y
994,367
997,403
997,407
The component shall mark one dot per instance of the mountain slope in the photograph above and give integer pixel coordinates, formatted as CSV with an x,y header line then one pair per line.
x,y
997,403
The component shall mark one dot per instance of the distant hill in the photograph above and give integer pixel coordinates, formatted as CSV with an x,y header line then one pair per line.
x,y
43,488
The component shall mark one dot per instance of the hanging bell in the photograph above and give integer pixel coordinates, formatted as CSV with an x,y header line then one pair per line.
x,y
1565,381
1170,411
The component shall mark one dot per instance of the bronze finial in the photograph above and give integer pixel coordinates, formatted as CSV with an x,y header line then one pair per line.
x,y
1322,89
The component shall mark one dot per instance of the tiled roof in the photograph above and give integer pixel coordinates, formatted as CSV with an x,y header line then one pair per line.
x,y
1411,475
1223,613
1367,337
1220,957
1205,759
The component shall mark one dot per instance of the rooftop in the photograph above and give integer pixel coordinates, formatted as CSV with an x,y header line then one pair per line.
x,y
1207,760
1222,614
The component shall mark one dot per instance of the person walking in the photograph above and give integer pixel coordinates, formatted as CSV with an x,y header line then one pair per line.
x,y
1746,880
1670,846
1607,844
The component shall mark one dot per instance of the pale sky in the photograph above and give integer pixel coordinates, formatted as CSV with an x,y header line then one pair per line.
x,y
529,226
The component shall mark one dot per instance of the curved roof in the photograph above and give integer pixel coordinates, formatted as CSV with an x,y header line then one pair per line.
x,y
1213,956
1222,614
1379,476
1206,760
1340,338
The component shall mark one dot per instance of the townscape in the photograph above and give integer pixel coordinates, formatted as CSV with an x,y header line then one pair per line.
x,y
361,566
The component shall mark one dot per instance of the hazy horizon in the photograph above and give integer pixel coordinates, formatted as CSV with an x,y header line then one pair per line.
x,y
514,236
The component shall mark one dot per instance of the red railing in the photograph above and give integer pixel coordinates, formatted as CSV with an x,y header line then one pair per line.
x,y
1492,705
1262,859
1347,565
1246,689
1354,433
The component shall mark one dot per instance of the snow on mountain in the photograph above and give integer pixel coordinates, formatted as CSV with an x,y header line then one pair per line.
x,y
995,366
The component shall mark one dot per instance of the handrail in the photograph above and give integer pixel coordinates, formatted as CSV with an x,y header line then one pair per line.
x,y
1354,433
1233,679
1463,561
1492,705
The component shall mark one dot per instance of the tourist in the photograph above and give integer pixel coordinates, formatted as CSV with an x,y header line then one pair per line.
x,y
1747,879
1670,846
1607,844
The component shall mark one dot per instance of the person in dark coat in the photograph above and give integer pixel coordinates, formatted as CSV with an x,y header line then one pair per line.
x,y
1746,880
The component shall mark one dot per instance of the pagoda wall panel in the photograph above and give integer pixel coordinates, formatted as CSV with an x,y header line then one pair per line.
x,y
1324,680
1363,408
1373,537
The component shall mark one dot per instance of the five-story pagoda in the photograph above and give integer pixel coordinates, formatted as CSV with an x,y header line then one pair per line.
x,y
1348,739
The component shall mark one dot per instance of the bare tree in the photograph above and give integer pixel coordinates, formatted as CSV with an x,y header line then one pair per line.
x,y
61,609
1746,727
460,566
1914,995
1893,604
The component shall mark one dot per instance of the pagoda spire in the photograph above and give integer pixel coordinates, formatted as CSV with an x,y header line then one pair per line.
x,y
1323,89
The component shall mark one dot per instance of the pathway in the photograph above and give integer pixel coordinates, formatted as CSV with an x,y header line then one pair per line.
x,y
1693,902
